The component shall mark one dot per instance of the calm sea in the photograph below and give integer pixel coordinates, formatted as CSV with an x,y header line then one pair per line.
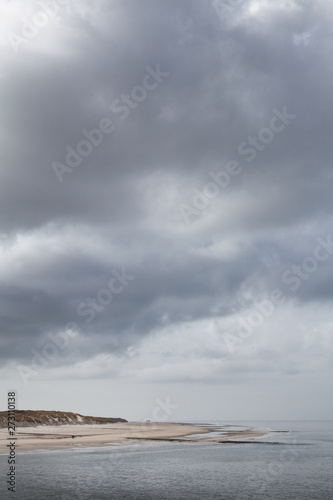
x,y
300,467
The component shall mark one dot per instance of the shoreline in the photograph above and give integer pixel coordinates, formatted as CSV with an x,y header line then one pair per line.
x,y
49,437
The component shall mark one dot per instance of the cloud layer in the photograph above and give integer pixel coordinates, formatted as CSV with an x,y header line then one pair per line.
x,y
196,278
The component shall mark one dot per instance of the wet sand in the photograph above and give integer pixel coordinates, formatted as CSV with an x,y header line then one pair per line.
x,y
61,437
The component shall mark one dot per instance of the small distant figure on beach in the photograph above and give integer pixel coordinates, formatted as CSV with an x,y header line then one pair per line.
x,y
73,437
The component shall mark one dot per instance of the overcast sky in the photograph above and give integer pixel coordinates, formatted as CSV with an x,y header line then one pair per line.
x,y
166,207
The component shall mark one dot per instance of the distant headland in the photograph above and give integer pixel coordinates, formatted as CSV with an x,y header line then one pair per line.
x,y
32,418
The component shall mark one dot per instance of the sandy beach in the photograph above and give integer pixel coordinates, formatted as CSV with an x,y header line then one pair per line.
x,y
60,437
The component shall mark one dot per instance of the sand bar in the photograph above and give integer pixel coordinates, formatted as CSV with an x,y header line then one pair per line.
x,y
61,437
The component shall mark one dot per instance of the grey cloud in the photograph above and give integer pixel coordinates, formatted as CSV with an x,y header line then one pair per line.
x,y
225,80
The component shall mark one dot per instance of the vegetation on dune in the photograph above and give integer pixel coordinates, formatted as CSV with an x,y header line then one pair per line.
x,y
27,418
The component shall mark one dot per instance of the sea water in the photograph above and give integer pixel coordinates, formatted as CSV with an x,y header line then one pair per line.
x,y
296,464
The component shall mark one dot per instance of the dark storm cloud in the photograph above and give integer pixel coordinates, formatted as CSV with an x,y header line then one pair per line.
x,y
225,78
